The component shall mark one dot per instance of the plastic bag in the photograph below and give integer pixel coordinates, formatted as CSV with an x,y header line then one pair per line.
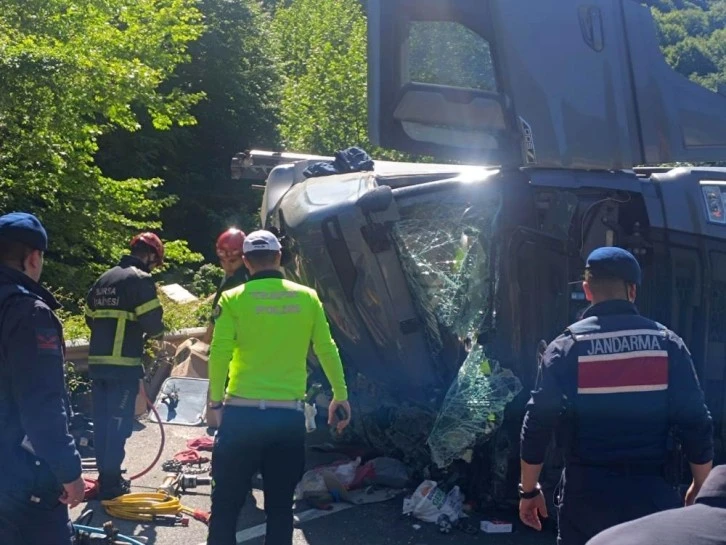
x,y
431,504
319,480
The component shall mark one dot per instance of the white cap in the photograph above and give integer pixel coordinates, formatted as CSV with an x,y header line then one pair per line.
x,y
261,241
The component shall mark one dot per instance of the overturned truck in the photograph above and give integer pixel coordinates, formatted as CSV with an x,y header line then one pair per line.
x,y
443,282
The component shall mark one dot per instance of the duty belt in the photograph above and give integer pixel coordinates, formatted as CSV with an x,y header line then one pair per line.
x,y
625,468
262,404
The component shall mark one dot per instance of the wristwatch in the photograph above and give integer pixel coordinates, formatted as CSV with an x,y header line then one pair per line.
x,y
215,406
531,494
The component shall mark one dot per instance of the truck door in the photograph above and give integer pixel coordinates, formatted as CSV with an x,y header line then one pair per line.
x,y
552,83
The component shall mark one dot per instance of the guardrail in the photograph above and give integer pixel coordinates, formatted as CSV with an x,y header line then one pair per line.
x,y
77,349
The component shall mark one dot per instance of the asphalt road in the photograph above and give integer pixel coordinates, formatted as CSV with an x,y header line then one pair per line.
x,y
380,523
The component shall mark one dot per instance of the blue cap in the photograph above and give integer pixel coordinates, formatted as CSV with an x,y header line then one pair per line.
x,y
25,228
614,263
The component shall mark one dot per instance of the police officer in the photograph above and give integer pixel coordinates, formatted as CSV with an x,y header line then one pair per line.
x,y
41,474
122,309
623,381
261,337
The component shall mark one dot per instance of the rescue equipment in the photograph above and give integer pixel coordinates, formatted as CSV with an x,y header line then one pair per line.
x,y
229,243
152,507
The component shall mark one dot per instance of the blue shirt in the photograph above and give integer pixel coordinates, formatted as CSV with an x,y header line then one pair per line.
x,y
625,380
33,397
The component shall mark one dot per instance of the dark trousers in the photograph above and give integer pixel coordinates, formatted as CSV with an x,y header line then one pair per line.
x,y
249,440
113,420
594,499
24,522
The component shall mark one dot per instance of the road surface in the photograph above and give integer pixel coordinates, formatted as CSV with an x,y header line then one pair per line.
x,y
378,524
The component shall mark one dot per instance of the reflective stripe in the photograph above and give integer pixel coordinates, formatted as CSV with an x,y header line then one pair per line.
x,y
118,338
112,360
109,313
618,333
89,312
147,307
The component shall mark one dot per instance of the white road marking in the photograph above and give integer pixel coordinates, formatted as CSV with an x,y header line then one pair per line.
x,y
311,514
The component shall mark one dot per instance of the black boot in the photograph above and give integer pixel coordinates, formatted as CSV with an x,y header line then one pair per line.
x,y
112,485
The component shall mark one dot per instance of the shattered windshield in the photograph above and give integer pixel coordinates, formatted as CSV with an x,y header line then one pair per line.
x,y
445,242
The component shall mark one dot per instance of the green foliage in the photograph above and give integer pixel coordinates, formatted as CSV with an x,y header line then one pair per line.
x,y
320,48
231,65
69,73
320,51
446,53
692,38
181,316
206,280
75,381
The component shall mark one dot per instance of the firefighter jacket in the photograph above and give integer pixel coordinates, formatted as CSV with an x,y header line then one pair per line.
x,y
121,308
37,450
625,381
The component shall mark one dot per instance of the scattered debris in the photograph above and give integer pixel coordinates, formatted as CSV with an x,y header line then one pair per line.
x,y
178,294
378,480
430,503
496,527
352,159
473,408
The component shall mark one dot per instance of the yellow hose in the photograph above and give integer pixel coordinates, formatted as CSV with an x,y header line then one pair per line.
x,y
145,506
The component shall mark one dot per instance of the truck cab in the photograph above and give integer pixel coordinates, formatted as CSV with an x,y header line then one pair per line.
x,y
549,128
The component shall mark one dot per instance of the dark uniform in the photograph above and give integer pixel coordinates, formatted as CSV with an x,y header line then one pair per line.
x,y
239,277
37,451
624,381
703,523
122,307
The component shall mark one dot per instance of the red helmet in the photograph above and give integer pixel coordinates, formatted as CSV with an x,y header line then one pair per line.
x,y
153,241
229,243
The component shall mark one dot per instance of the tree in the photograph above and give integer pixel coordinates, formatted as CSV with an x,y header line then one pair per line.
x,y
320,47
690,33
230,63
69,73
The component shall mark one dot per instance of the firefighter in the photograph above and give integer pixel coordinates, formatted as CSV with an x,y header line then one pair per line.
x,y
622,382
122,311
41,466
229,250
261,337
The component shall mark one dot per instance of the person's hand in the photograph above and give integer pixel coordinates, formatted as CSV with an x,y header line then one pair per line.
x,y
531,510
693,491
73,493
332,418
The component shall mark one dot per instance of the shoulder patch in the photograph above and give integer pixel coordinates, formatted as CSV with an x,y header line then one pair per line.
x,y
48,341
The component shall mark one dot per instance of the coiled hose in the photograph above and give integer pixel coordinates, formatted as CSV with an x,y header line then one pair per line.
x,y
151,507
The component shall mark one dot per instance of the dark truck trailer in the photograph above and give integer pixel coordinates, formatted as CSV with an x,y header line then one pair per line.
x,y
443,282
